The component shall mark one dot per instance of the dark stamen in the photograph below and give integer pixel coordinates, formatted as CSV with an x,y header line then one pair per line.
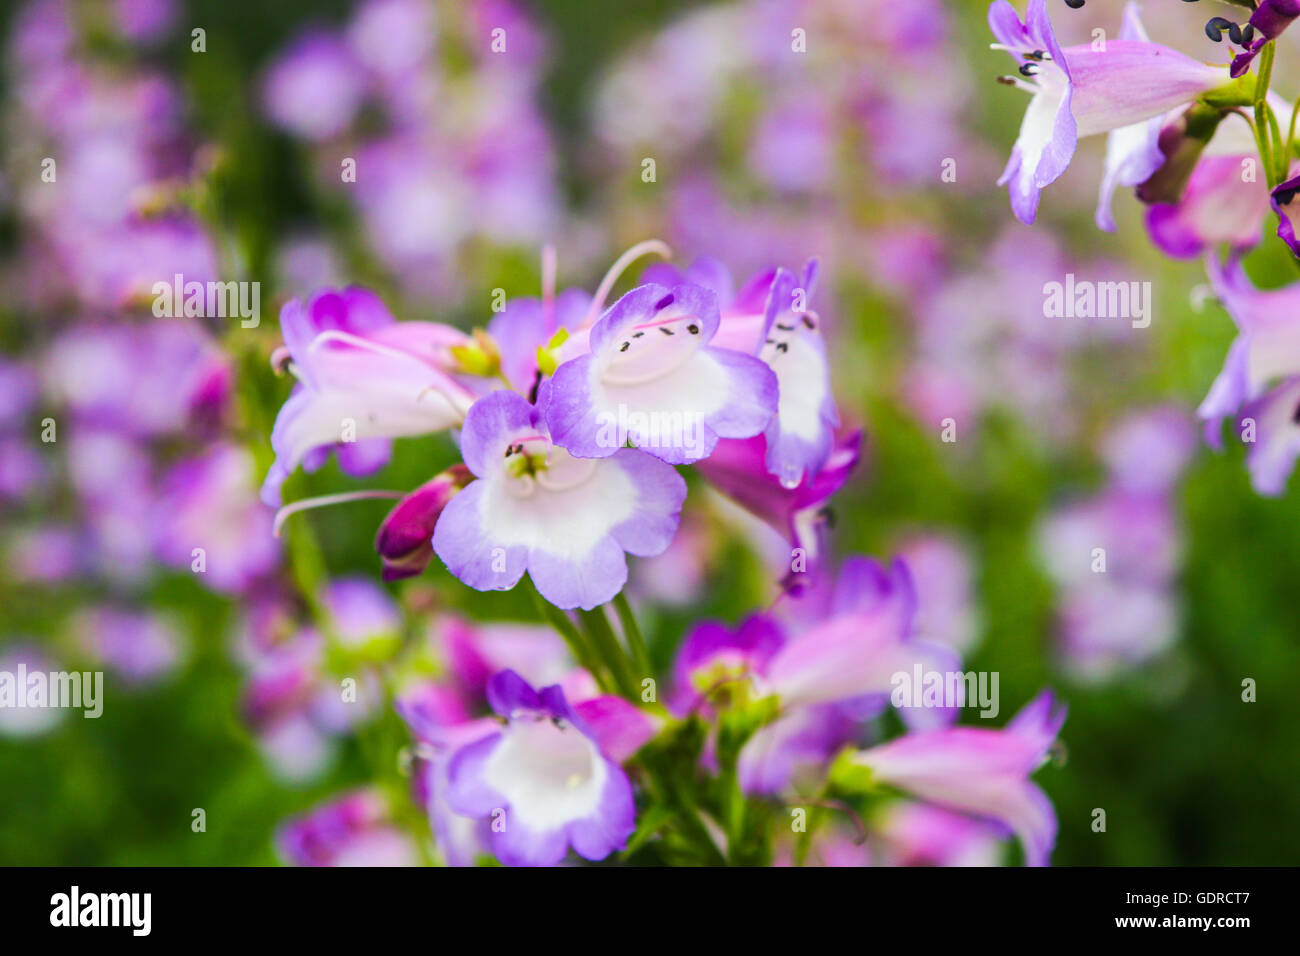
x,y
1074,4
637,335
1007,80
809,322
1234,34
1028,69
785,328
693,329
664,302
1215,27
782,347
1247,34
665,330
623,347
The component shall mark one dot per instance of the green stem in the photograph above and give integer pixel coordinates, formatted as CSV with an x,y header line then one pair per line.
x,y
572,637
609,651
1290,136
632,632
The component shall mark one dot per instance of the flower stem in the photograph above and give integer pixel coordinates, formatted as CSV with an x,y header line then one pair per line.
x,y
610,651
632,631
572,637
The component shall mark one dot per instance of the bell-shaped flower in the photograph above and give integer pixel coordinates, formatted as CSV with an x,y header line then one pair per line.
x,y
1275,420
543,779
535,508
984,773
652,377
363,378
1081,91
1267,347
771,317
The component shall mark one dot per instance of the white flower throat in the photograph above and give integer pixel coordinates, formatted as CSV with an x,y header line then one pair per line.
x,y
533,463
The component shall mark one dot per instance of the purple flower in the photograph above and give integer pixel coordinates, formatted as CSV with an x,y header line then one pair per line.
x,y
566,521
941,570
1132,152
1275,416
207,510
143,648
919,834
1267,347
1280,200
315,87
864,638
1217,206
981,772
738,468
771,317
1081,91
364,378
713,655
801,434
361,611
651,377
1270,18
543,779
352,830
528,324
474,651
405,537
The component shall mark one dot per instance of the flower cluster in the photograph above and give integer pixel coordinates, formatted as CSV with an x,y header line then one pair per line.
x,y
1211,153
571,419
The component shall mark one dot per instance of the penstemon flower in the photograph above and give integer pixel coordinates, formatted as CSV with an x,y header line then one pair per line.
x,y
976,771
536,508
1267,21
650,376
544,777
363,378
1082,91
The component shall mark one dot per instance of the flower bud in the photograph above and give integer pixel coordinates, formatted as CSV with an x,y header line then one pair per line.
x,y
404,541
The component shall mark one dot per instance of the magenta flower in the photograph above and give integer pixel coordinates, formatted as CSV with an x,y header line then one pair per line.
x,y
739,470
353,830
405,538
364,378
984,773
1270,18
535,508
